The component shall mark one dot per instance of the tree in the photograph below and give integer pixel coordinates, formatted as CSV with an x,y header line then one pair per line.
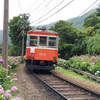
x,y
91,20
67,32
67,35
93,44
92,31
15,32
98,11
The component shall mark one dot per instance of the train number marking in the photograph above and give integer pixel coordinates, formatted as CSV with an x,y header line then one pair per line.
x,y
42,54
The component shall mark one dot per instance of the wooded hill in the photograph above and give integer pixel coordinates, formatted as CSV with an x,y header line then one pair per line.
x,y
77,23
1,37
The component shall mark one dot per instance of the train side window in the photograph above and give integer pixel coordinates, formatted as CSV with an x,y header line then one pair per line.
x,y
52,42
33,40
43,41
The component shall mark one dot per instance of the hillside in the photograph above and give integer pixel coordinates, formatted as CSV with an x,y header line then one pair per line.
x,y
1,37
77,21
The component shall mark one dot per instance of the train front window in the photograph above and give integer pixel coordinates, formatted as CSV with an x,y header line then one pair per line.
x,y
43,41
33,40
52,42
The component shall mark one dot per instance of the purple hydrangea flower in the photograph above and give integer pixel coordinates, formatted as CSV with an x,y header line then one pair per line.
x,y
1,91
1,61
11,73
9,66
8,76
18,98
6,70
7,95
15,79
14,88
1,87
15,74
7,91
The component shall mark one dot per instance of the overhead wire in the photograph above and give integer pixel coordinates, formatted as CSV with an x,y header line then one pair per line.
x,y
49,11
55,12
20,6
37,7
32,5
46,7
19,34
42,10
89,10
84,11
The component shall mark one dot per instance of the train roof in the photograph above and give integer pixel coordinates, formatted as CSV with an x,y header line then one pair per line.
x,y
42,32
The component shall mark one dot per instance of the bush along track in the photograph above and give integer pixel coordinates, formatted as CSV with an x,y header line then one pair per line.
x,y
85,64
8,90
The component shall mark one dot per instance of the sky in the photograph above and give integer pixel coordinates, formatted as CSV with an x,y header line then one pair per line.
x,y
38,10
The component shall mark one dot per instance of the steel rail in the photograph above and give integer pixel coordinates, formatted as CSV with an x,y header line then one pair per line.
x,y
80,86
52,89
61,96
81,72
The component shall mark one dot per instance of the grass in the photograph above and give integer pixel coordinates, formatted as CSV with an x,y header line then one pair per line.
x,y
69,72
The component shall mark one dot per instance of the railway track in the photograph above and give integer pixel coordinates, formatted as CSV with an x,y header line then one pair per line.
x,y
66,90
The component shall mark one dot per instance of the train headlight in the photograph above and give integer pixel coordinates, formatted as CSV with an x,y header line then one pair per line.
x,y
28,56
54,57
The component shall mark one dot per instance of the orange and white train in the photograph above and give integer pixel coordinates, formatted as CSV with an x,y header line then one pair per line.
x,y
41,49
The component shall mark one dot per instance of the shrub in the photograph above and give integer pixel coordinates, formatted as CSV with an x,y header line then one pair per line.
x,y
14,51
2,75
89,63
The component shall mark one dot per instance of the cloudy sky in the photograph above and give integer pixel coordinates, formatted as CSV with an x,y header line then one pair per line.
x,y
40,10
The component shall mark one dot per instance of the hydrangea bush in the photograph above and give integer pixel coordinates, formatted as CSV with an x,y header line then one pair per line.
x,y
14,61
88,63
7,78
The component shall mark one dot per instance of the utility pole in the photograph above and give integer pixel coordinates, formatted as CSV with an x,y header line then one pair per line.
x,y
5,34
23,27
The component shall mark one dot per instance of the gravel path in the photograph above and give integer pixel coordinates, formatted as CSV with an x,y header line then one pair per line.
x,y
30,88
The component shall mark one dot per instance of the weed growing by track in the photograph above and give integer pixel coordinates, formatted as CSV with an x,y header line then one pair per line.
x,y
69,72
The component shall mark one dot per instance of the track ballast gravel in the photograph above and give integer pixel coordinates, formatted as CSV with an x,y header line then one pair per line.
x,y
30,88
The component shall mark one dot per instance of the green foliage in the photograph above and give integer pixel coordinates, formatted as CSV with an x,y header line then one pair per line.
x,y
88,63
67,35
2,74
67,32
15,32
0,47
91,20
14,50
69,72
93,44
98,11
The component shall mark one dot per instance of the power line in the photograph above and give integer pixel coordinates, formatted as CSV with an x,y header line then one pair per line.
x,y
19,35
32,5
20,5
19,26
55,12
84,11
37,6
43,10
89,10
23,27
46,7
49,11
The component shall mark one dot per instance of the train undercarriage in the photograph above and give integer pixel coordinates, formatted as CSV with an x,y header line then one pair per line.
x,y
40,65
